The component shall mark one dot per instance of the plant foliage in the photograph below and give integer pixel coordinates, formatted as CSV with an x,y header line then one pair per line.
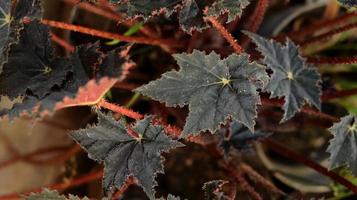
x,y
223,94
124,155
343,147
48,83
191,12
216,89
292,78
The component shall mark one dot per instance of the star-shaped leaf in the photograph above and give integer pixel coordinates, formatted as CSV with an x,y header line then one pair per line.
x,y
47,194
292,78
31,64
240,138
348,3
124,155
343,147
215,89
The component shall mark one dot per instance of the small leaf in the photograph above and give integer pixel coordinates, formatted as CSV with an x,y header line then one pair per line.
x,y
213,190
215,89
343,147
234,8
240,138
124,155
348,3
292,78
47,194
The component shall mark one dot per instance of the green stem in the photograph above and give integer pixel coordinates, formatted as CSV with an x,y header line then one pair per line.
x,y
135,28
133,99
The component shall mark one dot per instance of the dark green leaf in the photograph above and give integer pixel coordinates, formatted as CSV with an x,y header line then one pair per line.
x,y
31,64
292,78
215,89
343,147
12,22
124,155
86,82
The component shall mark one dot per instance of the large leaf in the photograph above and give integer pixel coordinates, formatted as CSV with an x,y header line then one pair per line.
x,y
92,74
348,3
47,194
124,155
292,78
215,89
343,147
31,64
240,138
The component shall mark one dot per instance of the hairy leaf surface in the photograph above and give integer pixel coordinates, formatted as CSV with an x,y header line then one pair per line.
x,y
292,78
343,147
240,138
124,155
47,194
214,89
